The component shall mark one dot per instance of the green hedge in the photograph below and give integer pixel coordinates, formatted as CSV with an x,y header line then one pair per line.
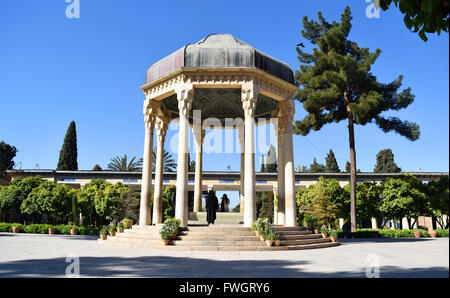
x,y
387,233
43,229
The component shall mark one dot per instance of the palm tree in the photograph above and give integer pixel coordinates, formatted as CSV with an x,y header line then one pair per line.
x,y
121,164
169,163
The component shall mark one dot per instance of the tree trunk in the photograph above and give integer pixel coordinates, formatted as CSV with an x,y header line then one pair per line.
x,y
351,138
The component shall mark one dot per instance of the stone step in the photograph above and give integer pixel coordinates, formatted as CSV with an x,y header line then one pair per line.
x,y
218,248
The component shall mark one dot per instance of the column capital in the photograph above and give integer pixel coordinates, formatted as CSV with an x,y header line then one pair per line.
x,y
185,95
249,96
150,112
161,125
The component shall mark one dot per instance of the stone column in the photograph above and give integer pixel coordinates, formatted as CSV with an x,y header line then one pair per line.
x,y
185,95
150,112
289,192
199,136
161,129
280,185
241,132
249,97
275,206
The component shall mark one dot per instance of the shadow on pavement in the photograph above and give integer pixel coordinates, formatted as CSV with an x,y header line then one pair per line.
x,y
165,266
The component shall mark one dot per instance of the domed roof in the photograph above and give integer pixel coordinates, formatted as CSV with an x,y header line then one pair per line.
x,y
219,51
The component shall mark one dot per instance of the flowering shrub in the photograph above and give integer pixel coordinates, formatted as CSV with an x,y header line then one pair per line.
x,y
170,228
263,226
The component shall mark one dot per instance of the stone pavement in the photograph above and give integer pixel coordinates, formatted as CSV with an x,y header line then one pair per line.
x,y
27,255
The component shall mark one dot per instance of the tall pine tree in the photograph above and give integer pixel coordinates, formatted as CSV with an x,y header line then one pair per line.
x,y
336,84
69,154
331,165
385,162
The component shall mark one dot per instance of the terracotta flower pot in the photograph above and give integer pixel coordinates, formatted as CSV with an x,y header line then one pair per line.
x,y
417,234
73,232
276,242
433,234
51,231
103,237
120,230
112,233
165,242
269,242
262,238
324,235
316,231
333,238
257,233
15,229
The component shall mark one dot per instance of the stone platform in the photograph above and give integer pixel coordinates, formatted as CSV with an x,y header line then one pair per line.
x,y
218,237
199,218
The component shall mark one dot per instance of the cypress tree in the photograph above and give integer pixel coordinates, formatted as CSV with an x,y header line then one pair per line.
x,y
331,165
69,154
336,84
263,166
385,162
271,160
316,167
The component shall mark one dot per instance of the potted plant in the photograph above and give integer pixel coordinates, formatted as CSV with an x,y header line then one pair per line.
x,y
51,230
269,238
324,233
276,239
417,234
16,229
165,232
73,231
316,229
127,223
433,234
333,236
103,233
120,227
112,230
255,228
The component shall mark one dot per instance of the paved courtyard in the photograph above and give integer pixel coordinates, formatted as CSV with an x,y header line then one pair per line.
x,y
27,255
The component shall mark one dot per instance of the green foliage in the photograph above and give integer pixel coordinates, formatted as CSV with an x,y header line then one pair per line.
x,y
104,231
69,154
368,201
331,165
169,163
112,228
97,168
385,162
75,210
121,164
403,196
316,167
166,206
48,198
423,16
12,196
339,83
169,228
7,153
323,201
43,229
438,203
107,198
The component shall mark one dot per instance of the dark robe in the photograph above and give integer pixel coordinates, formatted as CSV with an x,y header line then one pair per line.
x,y
173,201
211,207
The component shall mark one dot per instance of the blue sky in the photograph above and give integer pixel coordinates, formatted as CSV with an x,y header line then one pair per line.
x,y
54,70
